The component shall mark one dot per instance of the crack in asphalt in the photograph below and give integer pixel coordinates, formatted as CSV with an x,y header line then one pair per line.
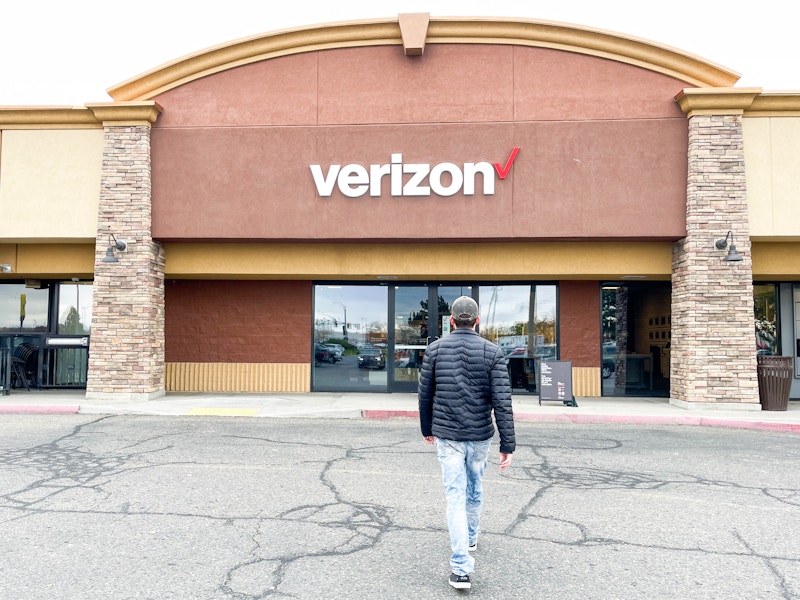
x,y
66,465
769,562
69,463
367,522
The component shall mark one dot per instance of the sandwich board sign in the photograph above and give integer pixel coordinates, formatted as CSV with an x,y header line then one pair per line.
x,y
555,381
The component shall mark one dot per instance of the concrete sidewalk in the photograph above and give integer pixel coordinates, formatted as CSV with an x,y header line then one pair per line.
x,y
352,405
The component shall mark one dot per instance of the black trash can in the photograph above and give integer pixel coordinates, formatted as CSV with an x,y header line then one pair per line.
x,y
774,381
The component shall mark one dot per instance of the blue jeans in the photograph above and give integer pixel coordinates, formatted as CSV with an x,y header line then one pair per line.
x,y
463,464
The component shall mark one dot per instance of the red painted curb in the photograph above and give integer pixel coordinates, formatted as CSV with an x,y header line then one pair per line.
x,y
788,427
661,420
389,414
38,409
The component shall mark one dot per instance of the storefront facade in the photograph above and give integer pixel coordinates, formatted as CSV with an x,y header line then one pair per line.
x,y
299,210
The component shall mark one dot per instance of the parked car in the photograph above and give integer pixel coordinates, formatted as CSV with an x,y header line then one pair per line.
x,y
371,358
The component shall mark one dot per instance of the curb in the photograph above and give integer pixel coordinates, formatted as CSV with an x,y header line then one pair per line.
x,y
382,414
662,420
617,419
39,409
389,414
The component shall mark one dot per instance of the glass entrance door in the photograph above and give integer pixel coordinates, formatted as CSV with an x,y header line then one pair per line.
x,y
636,338
411,333
421,314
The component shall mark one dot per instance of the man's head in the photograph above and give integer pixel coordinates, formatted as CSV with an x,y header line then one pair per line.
x,y
464,312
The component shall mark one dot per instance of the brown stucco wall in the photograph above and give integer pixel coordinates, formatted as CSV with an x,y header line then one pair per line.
x,y
458,83
238,321
579,323
602,146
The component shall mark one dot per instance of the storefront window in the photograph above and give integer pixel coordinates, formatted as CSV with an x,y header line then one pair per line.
x,y
75,308
521,319
23,309
350,337
374,337
766,318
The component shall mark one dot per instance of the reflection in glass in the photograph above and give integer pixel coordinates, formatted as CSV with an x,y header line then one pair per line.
x,y
766,318
636,339
521,319
75,308
23,308
448,294
410,331
422,315
350,320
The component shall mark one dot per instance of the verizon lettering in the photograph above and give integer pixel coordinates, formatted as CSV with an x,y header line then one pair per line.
x,y
444,179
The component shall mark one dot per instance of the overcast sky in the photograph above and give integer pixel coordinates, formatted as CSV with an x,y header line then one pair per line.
x,y
62,53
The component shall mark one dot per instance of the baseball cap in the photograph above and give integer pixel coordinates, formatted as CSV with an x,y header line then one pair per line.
x,y
465,309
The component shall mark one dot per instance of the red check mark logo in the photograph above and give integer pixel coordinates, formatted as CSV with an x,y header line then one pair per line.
x,y
503,171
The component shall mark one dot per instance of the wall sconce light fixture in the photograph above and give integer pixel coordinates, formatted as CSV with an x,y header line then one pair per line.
x,y
5,268
732,255
116,245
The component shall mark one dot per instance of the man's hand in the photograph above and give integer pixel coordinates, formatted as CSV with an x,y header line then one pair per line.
x,y
429,439
505,460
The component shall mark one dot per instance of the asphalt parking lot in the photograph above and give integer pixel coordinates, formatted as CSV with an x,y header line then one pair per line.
x,y
225,507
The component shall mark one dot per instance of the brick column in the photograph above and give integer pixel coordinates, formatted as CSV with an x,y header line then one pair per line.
x,y
126,353
713,341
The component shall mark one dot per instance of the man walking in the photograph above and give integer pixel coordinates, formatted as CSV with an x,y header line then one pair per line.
x,y
464,379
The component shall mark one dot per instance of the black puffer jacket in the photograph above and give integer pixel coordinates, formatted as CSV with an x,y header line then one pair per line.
x,y
464,377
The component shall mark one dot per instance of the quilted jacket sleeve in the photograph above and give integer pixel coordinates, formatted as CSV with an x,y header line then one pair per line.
x,y
426,390
501,402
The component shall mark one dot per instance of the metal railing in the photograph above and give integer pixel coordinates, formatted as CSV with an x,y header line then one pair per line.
x,y
58,362
5,367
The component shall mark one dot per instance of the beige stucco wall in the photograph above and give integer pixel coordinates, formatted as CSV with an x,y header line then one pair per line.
x,y
50,184
772,157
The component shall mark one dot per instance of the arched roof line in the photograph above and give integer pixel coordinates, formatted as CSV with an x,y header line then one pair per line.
x,y
688,68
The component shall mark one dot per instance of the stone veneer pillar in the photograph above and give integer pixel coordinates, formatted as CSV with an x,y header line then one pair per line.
x,y
126,353
713,360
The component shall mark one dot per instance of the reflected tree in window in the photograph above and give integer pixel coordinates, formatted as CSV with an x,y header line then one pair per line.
x,y
72,322
766,319
75,308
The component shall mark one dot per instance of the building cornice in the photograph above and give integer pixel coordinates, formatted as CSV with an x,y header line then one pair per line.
x,y
91,116
775,104
47,117
688,68
749,102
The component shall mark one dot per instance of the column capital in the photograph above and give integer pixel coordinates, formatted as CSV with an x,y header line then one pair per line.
x,y
716,101
120,114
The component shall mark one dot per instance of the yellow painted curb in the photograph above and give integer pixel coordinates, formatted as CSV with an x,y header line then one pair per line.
x,y
223,412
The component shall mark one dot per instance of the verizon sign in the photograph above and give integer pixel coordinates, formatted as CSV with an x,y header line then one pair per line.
x,y
410,179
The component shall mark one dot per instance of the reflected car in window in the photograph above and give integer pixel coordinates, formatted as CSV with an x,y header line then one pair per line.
x,y
546,352
371,358
609,358
336,352
321,354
